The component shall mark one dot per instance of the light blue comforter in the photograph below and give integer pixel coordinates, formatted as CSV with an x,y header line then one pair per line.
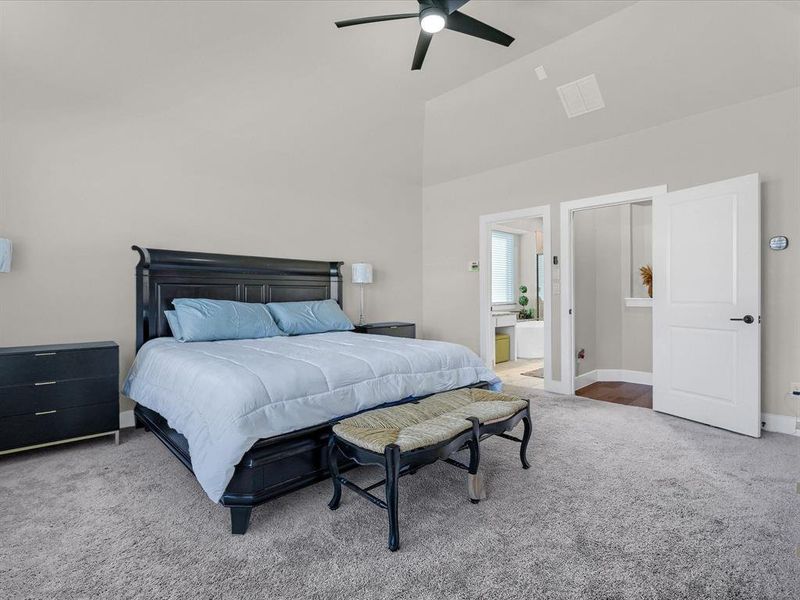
x,y
223,396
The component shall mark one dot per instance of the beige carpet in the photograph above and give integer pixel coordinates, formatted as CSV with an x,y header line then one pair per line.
x,y
619,503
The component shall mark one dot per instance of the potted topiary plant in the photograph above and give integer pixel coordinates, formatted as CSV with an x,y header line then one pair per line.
x,y
525,313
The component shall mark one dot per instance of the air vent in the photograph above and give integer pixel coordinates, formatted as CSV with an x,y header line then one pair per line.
x,y
581,96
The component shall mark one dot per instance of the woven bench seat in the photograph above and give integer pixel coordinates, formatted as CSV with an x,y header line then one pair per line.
x,y
408,436
427,422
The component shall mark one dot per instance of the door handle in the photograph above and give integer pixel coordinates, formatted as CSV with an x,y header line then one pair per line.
x,y
747,319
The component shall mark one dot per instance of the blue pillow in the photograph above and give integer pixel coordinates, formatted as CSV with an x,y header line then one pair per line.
x,y
314,316
174,324
203,320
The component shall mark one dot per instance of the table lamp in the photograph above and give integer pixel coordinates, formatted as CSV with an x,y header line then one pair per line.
x,y
362,273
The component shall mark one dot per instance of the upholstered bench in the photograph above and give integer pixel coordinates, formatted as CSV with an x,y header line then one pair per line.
x,y
406,437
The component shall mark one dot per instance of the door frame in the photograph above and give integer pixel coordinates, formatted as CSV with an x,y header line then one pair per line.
x,y
485,223
568,208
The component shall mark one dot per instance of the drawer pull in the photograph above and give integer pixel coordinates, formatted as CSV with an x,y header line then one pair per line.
x,y
45,354
45,383
45,412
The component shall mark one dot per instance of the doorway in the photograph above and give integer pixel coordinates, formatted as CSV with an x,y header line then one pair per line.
x,y
612,302
516,296
592,372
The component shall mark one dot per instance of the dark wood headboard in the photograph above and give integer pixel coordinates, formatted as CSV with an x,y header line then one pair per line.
x,y
163,275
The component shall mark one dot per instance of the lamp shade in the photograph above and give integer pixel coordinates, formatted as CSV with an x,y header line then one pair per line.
x,y
5,255
362,273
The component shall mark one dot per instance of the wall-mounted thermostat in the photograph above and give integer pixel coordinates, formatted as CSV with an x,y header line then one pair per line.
x,y
779,242
472,266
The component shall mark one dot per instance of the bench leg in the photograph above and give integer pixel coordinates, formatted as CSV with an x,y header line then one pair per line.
x,y
392,456
474,479
526,437
333,465
240,519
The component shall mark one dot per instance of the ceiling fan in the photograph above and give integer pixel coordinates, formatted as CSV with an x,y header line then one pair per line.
x,y
435,15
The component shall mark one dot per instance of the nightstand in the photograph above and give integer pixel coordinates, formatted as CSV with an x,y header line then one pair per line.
x,y
56,394
393,328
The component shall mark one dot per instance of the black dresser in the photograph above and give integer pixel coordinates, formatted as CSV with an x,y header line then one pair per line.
x,y
393,328
60,393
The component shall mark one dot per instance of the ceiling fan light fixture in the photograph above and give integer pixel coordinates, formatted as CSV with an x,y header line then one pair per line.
x,y
432,20
433,16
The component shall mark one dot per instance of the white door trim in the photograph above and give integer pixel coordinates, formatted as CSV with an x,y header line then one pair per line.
x,y
566,264
485,223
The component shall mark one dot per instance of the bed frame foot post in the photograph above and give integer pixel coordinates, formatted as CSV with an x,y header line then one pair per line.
x,y
526,437
240,519
333,465
139,424
392,456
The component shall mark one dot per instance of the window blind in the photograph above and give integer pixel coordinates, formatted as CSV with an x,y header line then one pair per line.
x,y
504,267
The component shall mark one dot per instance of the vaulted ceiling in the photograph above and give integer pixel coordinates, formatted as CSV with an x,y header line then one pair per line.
x,y
655,62
254,55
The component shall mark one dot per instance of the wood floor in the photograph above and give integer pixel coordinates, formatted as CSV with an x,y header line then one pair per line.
x,y
619,392
511,372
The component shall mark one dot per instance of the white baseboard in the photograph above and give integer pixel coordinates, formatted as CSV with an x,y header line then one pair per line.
x,y
582,381
780,423
126,419
625,375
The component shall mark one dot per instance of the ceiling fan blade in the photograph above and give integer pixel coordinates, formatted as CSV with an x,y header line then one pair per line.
x,y
423,42
462,23
378,19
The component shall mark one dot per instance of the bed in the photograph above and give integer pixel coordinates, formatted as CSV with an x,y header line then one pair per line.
x,y
257,414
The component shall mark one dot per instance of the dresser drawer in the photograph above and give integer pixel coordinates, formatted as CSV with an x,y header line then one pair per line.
x,y
31,398
29,430
18,369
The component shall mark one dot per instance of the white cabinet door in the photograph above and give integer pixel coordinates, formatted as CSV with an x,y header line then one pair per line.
x,y
707,304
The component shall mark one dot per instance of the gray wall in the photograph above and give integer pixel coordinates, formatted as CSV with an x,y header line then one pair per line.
x,y
641,245
585,290
113,148
756,136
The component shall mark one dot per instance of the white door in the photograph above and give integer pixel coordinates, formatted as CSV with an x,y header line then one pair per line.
x,y
707,304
